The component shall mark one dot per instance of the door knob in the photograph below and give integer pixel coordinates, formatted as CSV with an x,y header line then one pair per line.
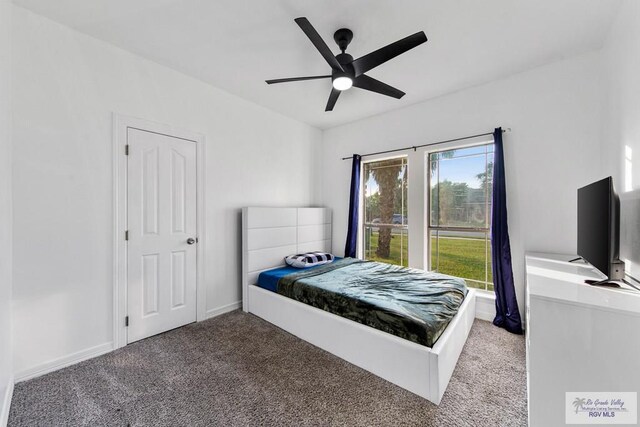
x,y
191,241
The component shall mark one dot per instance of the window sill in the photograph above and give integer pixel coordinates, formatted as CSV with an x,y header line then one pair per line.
x,y
485,305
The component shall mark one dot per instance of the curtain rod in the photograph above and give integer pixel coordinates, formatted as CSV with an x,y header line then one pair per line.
x,y
414,147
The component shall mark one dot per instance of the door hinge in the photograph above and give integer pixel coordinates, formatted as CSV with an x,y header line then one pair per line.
x,y
126,235
126,150
126,321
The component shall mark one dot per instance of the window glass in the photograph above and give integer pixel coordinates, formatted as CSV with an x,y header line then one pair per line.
x,y
460,184
385,211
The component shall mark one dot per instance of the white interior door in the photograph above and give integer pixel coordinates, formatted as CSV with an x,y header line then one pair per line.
x,y
162,233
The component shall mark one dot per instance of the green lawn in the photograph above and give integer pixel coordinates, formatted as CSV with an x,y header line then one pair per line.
x,y
460,257
394,257
463,258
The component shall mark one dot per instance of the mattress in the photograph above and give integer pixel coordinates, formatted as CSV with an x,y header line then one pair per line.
x,y
412,304
269,279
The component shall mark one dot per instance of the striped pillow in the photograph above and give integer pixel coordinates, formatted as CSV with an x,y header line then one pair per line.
x,y
309,259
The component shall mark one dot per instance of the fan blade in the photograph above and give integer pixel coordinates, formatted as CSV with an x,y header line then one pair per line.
x,y
368,83
317,41
296,79
382,55
333,97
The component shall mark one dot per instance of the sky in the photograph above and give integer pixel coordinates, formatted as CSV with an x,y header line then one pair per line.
x,y
463,167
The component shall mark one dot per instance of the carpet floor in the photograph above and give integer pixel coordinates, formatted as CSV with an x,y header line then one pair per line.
x,y
238,370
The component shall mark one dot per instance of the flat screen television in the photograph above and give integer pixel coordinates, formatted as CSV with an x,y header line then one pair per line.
x,y
599,228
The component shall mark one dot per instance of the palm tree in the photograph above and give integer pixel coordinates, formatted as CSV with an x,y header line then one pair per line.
x,y
386,175
578,403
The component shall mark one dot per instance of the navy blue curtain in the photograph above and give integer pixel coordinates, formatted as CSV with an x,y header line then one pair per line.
x,y
507,313
352,232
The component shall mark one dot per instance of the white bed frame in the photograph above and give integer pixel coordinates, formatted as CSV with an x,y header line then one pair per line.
x,y
269,234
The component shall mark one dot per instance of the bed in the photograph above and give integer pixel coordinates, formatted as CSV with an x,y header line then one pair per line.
x,y
303,303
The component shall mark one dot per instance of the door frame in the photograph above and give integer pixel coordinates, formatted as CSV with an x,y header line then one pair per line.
x,y
121,125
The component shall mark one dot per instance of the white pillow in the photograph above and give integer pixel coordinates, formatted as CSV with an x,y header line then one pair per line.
x,y
309,259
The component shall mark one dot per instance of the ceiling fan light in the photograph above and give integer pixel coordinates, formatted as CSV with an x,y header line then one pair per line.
x,y
342,83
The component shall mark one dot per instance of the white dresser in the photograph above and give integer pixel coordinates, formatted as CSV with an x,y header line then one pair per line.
x,y
580,338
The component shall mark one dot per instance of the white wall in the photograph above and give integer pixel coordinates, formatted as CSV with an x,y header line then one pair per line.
x,y
5,208
66,87
554,148
621,130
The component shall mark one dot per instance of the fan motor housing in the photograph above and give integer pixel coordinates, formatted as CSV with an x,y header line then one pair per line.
x,y
345,60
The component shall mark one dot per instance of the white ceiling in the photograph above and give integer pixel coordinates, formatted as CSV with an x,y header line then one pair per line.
x,y
237,44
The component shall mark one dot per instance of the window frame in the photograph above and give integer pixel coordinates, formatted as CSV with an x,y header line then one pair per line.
x,y
427,208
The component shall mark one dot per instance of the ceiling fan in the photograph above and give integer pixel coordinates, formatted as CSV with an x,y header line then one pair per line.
x,y
346,71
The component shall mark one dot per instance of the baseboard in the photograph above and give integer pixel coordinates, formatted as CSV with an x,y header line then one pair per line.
x,y
63,362
6,403
222,310
80,356
485,306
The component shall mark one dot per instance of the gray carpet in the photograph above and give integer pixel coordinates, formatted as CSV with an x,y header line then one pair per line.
x,y
238,370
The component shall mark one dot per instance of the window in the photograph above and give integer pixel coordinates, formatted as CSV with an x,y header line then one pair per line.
x,y
460,184
385,211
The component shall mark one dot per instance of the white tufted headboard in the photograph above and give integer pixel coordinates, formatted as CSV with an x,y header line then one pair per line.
x,y
270,234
